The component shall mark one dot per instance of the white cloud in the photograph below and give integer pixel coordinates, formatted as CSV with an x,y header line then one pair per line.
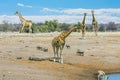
x,y
77,11
102,15
10,19
70,16
29,6
61,18
22,5
51,10
68,11
109,10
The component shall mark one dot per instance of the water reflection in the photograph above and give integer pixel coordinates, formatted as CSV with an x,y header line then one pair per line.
x,y
112,77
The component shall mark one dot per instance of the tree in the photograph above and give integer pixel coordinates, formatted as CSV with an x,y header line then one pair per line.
x,y
102,27
52,25
43,28
64,26
5,26
111,26
34,28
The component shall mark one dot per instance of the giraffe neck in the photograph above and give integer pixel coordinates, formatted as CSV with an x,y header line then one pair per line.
x,y
93,16
66,33
20,17
83,22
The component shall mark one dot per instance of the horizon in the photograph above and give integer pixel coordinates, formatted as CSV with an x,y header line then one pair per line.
x,y
67,11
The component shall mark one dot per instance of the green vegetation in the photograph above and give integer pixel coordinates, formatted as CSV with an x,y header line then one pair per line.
x,y
54,25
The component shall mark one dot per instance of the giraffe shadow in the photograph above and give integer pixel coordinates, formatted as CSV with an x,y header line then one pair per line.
x,y
56,60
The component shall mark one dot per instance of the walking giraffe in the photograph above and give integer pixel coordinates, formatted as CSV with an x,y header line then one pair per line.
x,y
94,23
25,23
102,73
59,42
83,26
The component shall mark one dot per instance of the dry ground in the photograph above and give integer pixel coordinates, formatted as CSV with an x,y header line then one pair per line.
x,y
102,52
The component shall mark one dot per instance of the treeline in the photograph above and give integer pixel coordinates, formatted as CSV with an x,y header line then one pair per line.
x,y
54,25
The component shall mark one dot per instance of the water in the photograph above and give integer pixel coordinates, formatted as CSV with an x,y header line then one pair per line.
x,y
112,77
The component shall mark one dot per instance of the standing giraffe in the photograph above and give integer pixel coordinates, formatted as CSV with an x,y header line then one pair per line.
x,y
83,26
59,42
102,73
25,23
94,23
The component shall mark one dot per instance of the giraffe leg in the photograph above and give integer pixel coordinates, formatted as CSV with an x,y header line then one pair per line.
x,y
61,54
61,57
54,49
93,29
21,30
57,53
96,30
83,34
99,77
105,77
61,60
30,30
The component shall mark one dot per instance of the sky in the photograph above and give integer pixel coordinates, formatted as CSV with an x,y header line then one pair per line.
x,y
69,11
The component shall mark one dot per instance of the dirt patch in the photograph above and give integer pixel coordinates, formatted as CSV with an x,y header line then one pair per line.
x,y
100,53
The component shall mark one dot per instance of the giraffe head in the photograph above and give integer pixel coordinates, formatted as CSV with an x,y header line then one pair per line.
x,y
16,12
75,27
85,14
92,11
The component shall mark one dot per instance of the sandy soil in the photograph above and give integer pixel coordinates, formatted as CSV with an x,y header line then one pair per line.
x,y
102,52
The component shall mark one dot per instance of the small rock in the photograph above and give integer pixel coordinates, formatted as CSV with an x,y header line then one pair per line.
x,y
91,55
81,53
45,49
3,75
97,42
88,49
26,46
67,46
19,57
39,47
9,72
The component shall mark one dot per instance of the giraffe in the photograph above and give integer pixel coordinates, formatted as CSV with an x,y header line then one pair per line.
x,y
59,42
83,26
25,23
94,23
102,73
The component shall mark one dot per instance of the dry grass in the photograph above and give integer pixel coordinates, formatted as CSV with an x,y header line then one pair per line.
x,y
101,52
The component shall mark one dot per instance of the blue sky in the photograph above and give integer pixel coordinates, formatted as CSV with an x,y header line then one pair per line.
x,y
70,10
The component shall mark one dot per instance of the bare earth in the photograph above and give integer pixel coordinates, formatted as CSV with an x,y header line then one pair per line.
x,y
101,53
